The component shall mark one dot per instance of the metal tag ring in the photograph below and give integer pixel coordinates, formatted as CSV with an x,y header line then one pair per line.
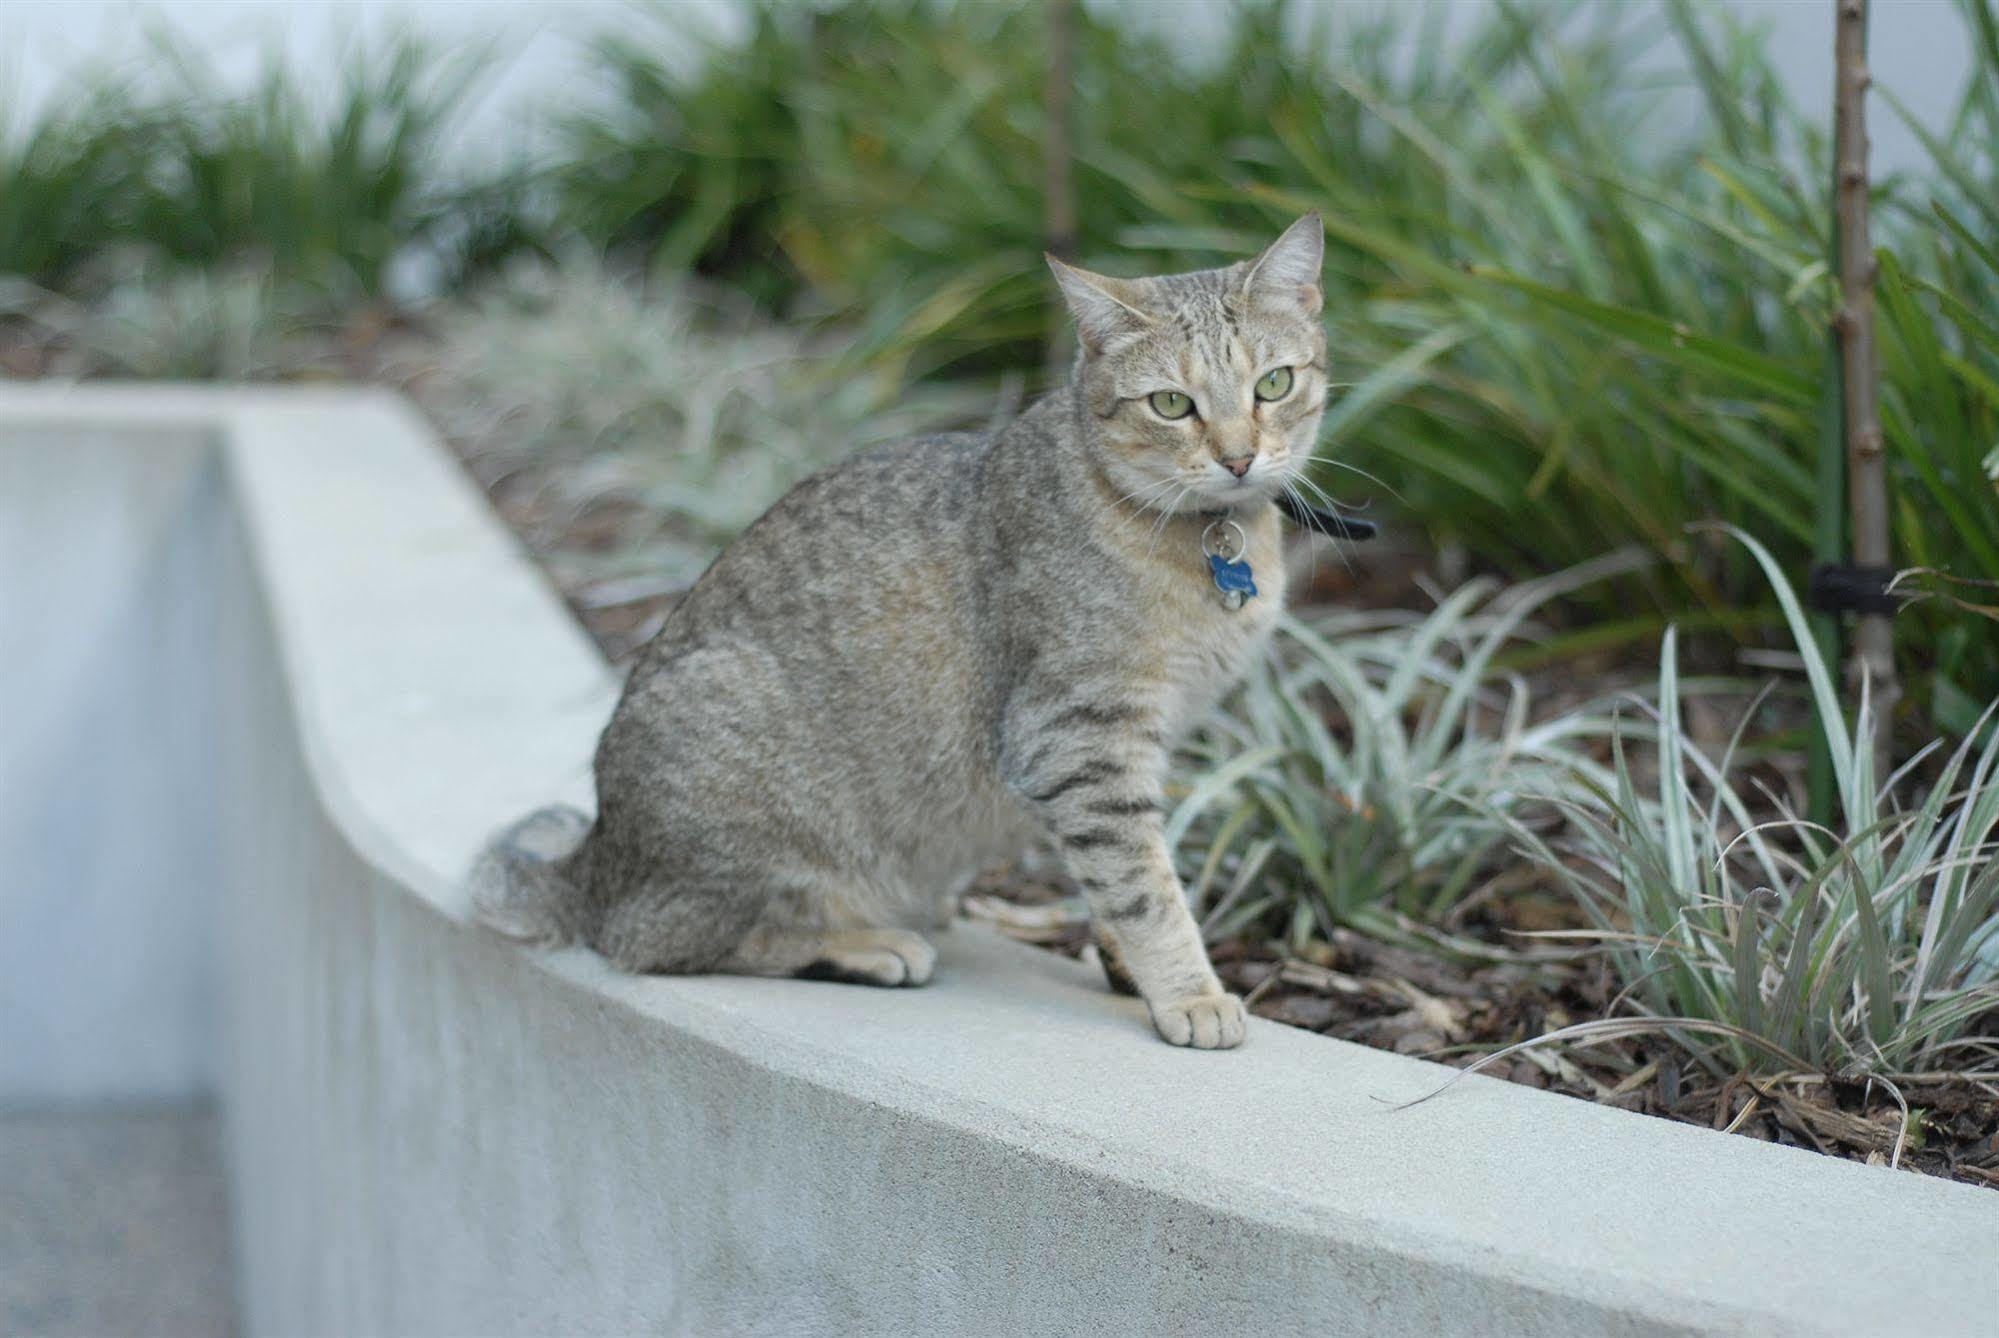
x,y
1215,544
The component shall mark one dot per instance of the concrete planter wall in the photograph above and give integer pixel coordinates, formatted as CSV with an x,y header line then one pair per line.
x,y
269,672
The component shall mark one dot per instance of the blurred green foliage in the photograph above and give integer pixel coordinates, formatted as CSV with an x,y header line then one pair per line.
x,y
180,169
1580,299
1567,324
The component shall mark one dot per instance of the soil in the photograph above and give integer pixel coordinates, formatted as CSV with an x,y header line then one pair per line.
x,y
1457,1012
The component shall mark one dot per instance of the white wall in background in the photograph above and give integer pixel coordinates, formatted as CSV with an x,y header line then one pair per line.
x,y
535,44
1918,46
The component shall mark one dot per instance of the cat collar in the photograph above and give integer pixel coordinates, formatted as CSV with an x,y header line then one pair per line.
x,y
1333,524
1223,543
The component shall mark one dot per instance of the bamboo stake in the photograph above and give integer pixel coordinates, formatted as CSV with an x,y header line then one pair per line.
x,y
1873,662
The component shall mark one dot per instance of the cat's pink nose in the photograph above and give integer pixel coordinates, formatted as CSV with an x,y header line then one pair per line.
x,y
1238,465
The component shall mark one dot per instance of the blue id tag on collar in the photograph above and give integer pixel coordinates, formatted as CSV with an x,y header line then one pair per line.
x,y
1234,579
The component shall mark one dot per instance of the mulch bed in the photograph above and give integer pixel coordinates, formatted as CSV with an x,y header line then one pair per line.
x,y
1455,1012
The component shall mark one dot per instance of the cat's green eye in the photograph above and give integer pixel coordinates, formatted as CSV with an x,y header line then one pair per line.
x,y
1171,404
1275,385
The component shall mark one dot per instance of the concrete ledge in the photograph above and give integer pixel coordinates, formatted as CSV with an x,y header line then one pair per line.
x,y
428,1132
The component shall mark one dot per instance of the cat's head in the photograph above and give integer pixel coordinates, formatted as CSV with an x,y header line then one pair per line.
x,y
1203,390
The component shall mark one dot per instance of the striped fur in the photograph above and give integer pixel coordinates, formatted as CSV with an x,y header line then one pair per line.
x,y
932,655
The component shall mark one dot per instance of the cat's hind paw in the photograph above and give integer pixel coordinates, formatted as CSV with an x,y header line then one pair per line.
x,y
1203,1021
887,957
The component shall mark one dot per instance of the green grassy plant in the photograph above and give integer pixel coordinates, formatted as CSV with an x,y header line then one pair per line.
x,y
886,159
220,325
1567,327
1365,775
330,192
677,406
157,321
1940,415
1776,946
58,175
1561,324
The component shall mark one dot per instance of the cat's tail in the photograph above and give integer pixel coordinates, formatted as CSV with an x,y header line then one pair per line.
x,y
519,886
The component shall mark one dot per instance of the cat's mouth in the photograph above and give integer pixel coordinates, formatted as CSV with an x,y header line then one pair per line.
x,y
1256,486
1240,490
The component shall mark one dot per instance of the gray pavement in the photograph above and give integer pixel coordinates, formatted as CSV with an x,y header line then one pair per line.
x,y
113,1224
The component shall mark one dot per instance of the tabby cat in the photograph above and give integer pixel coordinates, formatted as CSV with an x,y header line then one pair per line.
x,y
933,655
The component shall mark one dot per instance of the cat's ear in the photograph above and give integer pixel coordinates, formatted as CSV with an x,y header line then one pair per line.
x,y
1104,308
1288,270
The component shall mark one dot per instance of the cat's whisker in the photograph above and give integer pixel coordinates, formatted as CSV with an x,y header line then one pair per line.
x,y
1340,544
1324,497
1150,492
1159,522
1311,549
1356,469
1154,486
1338,547
1171,509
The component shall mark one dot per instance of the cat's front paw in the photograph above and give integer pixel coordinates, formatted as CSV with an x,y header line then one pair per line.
x,y
1204,1021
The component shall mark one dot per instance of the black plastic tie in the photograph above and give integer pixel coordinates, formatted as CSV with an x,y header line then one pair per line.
x,y
1840,588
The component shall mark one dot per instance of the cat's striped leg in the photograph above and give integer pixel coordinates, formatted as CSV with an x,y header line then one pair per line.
x,y
1094,775
1139,905
1112,959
